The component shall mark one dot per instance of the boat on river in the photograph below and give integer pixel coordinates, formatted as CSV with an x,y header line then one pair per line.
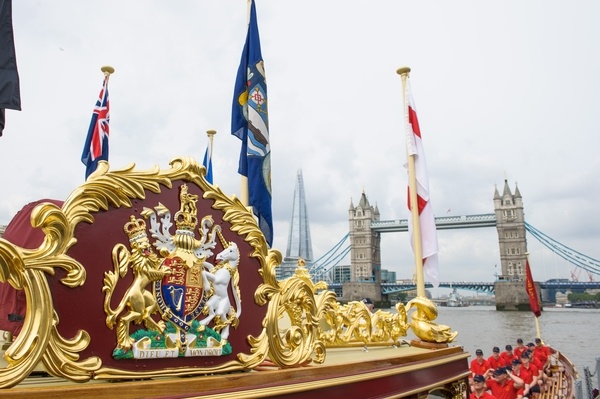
x,y
560,375
454,300
154,283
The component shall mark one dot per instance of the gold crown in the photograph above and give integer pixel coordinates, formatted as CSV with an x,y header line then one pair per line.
x,y
135,228
185,221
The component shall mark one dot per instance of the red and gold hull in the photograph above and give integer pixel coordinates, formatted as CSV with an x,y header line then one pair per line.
x,y
379,372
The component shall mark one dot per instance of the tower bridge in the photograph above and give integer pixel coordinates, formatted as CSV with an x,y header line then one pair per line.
x,y
482,287
441,223
364,277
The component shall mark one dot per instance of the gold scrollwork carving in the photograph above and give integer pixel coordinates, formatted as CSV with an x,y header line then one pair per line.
x,y
298,342
27,269
458,389
315,319
354,322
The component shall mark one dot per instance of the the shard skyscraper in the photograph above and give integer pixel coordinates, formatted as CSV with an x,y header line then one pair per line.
x,y
299,244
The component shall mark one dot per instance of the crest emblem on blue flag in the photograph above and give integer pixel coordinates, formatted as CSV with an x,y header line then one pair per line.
x,y
249,122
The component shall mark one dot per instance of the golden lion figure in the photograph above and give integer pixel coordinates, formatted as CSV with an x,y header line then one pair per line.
x,y
138,301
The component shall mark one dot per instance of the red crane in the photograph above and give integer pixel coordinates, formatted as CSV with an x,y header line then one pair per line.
x,y
577,271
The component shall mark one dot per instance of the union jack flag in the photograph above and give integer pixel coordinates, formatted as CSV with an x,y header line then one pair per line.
x,y
96,142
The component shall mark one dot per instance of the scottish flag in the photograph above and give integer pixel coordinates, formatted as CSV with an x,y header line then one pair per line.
x,y
207,162
249,122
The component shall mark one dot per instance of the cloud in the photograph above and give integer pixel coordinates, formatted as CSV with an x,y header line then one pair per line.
x,y
505,90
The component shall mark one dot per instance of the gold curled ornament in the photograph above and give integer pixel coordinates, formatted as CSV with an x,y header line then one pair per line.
x,y
27,269
422,323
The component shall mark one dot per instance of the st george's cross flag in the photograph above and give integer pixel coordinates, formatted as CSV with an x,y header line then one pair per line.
x,y
96,143
249,123
414,146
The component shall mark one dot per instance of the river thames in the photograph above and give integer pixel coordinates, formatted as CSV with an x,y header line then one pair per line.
x,y
574,332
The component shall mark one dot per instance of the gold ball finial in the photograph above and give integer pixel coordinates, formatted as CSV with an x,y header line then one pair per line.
x,y
211,132
403,71
107,69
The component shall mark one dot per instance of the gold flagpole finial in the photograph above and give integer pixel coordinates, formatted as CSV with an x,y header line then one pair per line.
x,y
211,135
107,70
403,71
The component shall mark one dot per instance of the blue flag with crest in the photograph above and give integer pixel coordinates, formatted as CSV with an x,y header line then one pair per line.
x,y
249,122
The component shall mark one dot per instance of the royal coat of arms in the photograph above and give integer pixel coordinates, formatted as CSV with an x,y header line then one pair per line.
x,y
174,282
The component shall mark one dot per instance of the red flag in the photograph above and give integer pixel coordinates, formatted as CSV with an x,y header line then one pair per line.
x,y
426,218
534,301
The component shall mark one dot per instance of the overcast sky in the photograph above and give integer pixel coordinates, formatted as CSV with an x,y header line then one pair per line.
x,y
505,89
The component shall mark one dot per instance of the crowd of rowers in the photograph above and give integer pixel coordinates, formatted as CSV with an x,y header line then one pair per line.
x,y
522,372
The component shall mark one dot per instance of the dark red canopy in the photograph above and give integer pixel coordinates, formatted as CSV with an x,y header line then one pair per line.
x,y
19,232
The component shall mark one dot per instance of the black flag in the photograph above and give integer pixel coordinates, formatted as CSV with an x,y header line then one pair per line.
x,y
10,95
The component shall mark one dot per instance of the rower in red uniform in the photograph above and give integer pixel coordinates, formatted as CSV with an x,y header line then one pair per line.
x,y
520,348
495,360
532,358
522,374
541,351
479,365
507,356
503,384
532,369
480,390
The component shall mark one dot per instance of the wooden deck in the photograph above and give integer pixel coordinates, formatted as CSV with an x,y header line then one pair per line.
x,y
562,382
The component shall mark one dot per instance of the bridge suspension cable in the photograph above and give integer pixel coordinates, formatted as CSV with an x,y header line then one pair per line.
x,y
577,258
323,269
331,258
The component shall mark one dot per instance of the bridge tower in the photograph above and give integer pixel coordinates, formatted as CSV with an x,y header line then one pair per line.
x,y
510,224
365,252
365,244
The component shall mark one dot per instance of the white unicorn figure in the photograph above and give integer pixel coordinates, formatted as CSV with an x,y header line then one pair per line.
x,y
216,282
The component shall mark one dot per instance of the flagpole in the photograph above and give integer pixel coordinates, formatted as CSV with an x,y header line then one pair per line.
x,y
244,194
414,206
